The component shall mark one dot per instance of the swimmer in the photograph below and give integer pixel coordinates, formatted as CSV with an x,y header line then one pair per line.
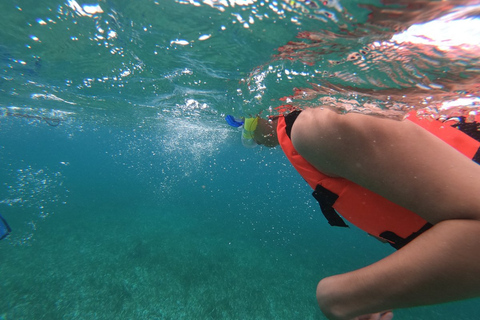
x,y
412,168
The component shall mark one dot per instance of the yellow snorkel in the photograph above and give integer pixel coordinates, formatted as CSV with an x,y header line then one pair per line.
x,y
248,132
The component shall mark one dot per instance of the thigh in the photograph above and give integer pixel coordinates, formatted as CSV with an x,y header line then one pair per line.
x,y
396,159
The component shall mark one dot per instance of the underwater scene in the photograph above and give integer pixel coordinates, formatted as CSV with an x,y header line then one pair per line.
x,y
124,192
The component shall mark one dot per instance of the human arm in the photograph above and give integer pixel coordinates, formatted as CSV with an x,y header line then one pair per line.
x,y
441,265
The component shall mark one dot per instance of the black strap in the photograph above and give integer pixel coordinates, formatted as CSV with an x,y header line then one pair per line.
x,y
471,129
476,157
290,120
326,199
398,242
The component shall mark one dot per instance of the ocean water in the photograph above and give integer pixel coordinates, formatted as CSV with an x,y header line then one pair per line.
x,y
128,195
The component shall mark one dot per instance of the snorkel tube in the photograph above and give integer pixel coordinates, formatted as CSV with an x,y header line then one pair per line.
x,y
248,127
232,121
248,132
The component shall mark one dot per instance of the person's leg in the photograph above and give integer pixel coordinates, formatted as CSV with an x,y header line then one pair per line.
x,y
396,159
411,167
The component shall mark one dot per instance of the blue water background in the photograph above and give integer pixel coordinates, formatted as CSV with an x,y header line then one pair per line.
x,y
140,232
142,203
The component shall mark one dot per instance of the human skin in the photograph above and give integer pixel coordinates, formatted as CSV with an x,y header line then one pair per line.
x,y
266,133
411,167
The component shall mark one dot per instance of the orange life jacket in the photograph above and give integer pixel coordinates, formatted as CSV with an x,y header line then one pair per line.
x,y
364,208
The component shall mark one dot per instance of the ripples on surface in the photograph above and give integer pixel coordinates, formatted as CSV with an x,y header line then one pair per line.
x,y
426,66
148,58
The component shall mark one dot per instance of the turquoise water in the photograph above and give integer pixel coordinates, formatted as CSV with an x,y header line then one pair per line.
x,y
128,195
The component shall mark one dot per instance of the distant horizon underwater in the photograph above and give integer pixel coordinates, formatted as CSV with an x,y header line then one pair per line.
x,y
129,196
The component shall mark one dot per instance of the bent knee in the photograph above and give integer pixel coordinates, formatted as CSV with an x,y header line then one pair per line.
x,y
316,135
312,128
